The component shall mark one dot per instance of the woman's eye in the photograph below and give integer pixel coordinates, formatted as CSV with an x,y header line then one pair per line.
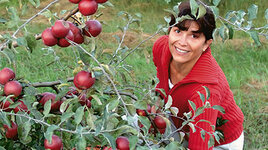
x,y
177,31
195,36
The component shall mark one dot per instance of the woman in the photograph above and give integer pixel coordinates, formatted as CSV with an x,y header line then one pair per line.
x,y
184,66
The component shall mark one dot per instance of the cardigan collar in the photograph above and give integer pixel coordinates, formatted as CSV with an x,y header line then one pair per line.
x,y
204,71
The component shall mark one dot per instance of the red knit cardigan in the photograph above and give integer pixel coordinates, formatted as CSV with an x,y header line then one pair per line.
x,y
206,72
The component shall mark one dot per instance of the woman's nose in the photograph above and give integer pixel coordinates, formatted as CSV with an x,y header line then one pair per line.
x,y
182,40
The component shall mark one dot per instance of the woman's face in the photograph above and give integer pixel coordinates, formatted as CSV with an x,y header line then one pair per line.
x,y
186,46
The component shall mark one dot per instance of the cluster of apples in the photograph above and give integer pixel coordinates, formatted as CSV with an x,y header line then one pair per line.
x,y
158,120
83,80
11,87
87,7
62,30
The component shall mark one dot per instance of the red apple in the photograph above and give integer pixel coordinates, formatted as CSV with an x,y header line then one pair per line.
x,y
72,92
12,131
56,143
21,107
83,80
141,112
160,122
83,100
5,106
162,131
92,28
60,29
122,143
74,1
63,42
55,105
48,38
79,38
101,1
13,87
87,7
6,75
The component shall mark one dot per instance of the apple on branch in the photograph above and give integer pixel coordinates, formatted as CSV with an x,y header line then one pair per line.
x,y
11,132
13,88
6,75
56,143
92,28
83,80
122,143
87,7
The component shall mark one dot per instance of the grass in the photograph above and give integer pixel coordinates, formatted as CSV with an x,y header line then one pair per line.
x,y
245,66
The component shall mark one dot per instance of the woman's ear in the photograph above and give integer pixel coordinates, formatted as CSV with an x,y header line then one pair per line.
x,y
207,43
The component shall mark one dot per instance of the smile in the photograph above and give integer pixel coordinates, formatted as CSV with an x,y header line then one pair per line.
x,y
181,51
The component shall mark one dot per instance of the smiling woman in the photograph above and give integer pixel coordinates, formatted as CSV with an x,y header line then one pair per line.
x,y
184,66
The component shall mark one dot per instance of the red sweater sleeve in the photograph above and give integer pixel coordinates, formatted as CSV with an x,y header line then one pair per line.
x,y
195,140
158,48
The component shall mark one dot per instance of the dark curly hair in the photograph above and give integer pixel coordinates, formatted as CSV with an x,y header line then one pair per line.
x,y
206,23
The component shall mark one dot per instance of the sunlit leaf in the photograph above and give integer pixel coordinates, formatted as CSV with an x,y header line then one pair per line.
x,y
252,12
48,134
202,97
254,35
169,102
219,108
79,114
216,2
47,108
201,11
194,6
192,104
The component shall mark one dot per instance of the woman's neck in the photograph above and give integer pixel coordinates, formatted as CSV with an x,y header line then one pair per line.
x,y
178,71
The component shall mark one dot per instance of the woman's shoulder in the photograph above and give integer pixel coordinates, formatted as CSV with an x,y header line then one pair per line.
x,y
162,40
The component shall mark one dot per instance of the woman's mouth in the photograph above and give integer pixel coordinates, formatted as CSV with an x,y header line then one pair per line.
x,y
181,51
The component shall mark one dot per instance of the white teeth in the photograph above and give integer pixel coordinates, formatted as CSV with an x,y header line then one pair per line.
x,y
181,51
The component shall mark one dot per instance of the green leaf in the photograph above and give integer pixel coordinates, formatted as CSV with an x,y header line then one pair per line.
x,y
222,33
211,141
2,20
162,91
192,104
21,41
207,92
113,104
174,145
145,121
266,14
47,108
192,127
81,143
97,99
252,12
201,11
199,111
48,134
254,35
169,102
4,119
140,104
9,55
174,110
230,31
133,140
215,11
219,108
110,139
24,130
171,12
65,104
66,116
202,97
2,148
216,2
79,115
203,134
194,6
167,19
